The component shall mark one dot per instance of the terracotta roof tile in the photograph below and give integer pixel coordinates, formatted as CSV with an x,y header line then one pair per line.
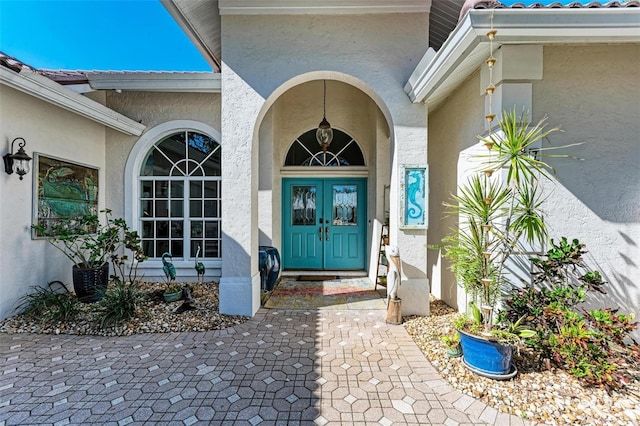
x,y
493,4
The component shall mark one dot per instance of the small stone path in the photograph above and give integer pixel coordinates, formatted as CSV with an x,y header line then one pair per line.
x,y
279,368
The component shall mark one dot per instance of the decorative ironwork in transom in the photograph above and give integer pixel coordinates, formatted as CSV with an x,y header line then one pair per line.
x,y
343,151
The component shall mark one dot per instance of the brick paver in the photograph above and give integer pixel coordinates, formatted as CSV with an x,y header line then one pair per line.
x,y
282,367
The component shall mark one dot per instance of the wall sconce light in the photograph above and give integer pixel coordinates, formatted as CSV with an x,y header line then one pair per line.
x,y
18,162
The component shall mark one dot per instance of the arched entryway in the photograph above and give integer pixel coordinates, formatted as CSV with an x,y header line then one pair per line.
x,y
343,186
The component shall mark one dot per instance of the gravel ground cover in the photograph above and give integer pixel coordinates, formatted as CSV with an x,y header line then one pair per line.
x,y
156,316
549,397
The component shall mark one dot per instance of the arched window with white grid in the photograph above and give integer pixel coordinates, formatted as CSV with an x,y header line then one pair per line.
x,y
180,197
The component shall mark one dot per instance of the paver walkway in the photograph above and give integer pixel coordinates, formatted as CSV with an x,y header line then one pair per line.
x,y
281,367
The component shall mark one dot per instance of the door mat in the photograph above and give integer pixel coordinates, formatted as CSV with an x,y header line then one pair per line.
x,y
338,294
316,278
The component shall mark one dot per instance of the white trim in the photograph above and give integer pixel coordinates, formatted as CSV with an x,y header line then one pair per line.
x,y
157,82
43,88
324,172
134,165
321,7
434,75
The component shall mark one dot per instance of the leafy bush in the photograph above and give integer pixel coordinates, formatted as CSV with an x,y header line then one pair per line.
x,y
589,344
49,304
120,303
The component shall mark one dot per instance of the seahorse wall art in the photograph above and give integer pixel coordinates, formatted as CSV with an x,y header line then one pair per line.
x,y
415,196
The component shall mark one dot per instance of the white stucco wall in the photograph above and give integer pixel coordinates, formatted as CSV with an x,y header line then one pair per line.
x,y
593,93
261,53
453,129
52,131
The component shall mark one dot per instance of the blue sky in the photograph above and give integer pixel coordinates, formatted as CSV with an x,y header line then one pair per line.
x,y
134,35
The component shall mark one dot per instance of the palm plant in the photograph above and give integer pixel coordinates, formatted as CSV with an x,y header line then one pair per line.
x,y
496,218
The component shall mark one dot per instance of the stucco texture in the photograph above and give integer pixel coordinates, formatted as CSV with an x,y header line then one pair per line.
x,y
56,132
453,129
593,93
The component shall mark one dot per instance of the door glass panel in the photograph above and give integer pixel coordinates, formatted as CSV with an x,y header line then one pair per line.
x,y
303,204
344,204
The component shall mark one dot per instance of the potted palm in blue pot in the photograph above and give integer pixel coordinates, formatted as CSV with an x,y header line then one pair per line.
x,y
496,216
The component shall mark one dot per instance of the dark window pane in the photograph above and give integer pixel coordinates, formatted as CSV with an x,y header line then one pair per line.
x,y
147,188
177,189
177,248
196,229
211,249
195,208
177,229
176,208
195,189
211,229
156,164
162,229
211,189
212,167
146,207
194,248
147,229
162,189
162,247
147,247
211,208
173,147
162,208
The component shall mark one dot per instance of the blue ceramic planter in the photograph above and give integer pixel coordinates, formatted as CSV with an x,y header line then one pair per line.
x,y
486,357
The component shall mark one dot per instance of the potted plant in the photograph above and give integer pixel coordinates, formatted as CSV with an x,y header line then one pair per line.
x,y
452,345
495,218
91,246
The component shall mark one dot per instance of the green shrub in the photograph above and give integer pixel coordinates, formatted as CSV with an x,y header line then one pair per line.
x,y
49,304
591,345
120,303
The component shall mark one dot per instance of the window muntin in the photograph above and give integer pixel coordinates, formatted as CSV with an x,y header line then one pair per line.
x,y
343,151
180,203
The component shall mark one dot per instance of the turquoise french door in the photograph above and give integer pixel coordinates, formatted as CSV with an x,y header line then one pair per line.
x,y
324,223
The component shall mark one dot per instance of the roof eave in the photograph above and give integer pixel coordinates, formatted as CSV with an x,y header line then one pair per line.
x,y
519,26
157,82
33,84
321,7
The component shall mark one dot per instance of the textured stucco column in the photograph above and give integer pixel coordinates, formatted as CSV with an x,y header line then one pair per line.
x,y
240,280
409,148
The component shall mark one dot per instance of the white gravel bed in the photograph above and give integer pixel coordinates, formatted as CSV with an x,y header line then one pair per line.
x,y
154,316
549,397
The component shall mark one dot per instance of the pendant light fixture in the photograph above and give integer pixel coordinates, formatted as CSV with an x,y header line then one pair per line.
x,y
324,134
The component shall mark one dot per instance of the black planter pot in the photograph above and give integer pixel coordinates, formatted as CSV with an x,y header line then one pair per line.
x,y
90,284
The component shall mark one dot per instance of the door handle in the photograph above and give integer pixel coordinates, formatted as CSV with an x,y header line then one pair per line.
x,y
320,232
326,232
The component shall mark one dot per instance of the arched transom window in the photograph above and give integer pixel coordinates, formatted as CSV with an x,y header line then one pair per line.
x,y
180,182
343,151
